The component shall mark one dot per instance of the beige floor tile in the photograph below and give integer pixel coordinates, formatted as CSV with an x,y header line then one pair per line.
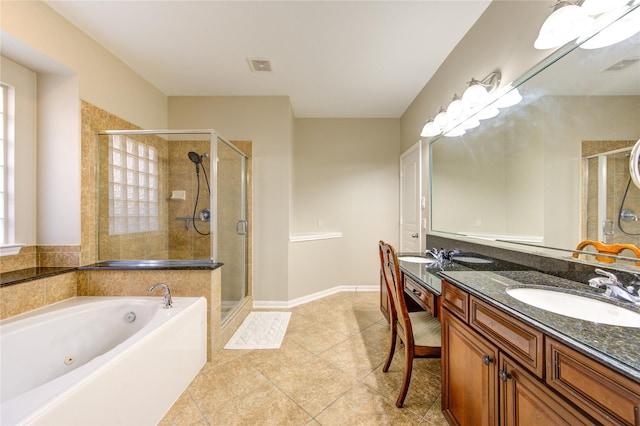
x,y
184,412
363,406
317,338
216,385
273,362
315,385
424,387
327,372
434,416
354,357
266,407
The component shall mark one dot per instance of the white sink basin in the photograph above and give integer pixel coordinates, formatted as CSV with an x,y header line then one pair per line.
x,y
576,306
416,259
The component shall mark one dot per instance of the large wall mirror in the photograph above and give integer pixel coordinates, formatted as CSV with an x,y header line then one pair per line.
x,y
553,170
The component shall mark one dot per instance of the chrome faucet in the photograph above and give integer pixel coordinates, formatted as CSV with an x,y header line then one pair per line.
x,y
615,289
166,301
441,255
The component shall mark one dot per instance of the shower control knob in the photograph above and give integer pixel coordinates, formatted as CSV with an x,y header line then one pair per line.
x,y
205,215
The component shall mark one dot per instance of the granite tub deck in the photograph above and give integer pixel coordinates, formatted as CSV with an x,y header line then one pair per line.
x,y
615,346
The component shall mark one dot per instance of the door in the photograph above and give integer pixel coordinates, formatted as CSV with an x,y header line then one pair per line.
x,y
469,376
231,225
410,201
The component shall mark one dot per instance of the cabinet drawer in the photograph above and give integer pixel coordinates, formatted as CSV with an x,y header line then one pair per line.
x,y
456,300
423,297
521,341
607,396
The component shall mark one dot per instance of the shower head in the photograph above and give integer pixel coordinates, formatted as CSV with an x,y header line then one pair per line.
x,y
197,160
195,157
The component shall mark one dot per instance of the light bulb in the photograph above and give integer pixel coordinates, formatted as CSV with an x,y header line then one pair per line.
x,y
615,32
596,7
457,131
487,112
475,94
441,118
430,129
563,25
509,98
456,109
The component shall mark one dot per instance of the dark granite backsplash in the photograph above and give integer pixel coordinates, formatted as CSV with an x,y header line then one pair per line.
x,y
515,260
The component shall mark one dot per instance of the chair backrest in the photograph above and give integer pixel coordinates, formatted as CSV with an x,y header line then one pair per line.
x,y
395,288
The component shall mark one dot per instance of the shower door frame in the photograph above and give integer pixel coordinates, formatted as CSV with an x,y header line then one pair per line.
x,y
602,217
213,202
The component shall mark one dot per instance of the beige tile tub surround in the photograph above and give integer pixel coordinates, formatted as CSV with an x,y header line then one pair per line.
x,y
26,258
186,283
23,297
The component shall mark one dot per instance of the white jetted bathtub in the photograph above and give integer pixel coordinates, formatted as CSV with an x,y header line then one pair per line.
x,y
100,360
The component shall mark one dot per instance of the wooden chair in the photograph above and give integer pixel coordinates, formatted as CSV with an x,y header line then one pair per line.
x,y
418,331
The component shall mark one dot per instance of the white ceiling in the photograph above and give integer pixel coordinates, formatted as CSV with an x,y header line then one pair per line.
x,y
332,58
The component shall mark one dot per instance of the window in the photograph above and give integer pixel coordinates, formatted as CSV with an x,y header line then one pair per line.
x,y
133,186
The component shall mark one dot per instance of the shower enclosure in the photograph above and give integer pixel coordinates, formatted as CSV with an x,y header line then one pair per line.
x,y
176,197
611,202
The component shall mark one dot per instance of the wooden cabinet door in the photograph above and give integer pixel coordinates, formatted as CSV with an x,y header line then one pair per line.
x,y
469,375
524,400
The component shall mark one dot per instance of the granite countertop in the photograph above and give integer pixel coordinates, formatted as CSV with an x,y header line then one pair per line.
x,y
427,275
143,265
615,346
30,274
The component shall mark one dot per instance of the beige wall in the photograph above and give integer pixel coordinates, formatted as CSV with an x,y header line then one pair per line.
x,y
345,174
266,121
69,66
33,33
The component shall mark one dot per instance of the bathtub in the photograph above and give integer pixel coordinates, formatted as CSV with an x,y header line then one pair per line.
x,y
100,360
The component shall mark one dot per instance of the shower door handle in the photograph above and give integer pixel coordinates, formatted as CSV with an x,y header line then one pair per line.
x,y
242,227
608,227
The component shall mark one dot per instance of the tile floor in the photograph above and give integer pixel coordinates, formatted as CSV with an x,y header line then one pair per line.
x,y
328,371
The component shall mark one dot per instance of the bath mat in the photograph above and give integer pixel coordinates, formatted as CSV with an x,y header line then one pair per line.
x,y
260,330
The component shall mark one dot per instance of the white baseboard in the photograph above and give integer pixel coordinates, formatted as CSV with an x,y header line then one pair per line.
x,y
262,304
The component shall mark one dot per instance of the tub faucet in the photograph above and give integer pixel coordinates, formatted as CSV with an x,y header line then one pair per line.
x,y
615,289
166,301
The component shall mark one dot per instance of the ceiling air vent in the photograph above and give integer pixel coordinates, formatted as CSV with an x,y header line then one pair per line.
x,y
259,65
622,64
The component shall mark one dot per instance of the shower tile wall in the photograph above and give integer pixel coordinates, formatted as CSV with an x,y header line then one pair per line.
x,y
184,242
617,180
93,120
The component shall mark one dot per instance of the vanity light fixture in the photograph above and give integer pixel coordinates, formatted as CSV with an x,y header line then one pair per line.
x,y
464,112
580,19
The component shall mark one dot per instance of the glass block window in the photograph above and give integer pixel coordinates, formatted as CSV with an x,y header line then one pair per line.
x,y
133,186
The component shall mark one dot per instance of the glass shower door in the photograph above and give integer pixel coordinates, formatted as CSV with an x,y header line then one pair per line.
x,y
231,238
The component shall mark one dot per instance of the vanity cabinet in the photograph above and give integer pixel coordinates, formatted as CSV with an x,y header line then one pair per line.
x,y
424,298
493,372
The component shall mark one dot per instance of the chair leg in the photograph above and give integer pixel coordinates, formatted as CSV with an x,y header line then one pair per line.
x,y
408,367
392,347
